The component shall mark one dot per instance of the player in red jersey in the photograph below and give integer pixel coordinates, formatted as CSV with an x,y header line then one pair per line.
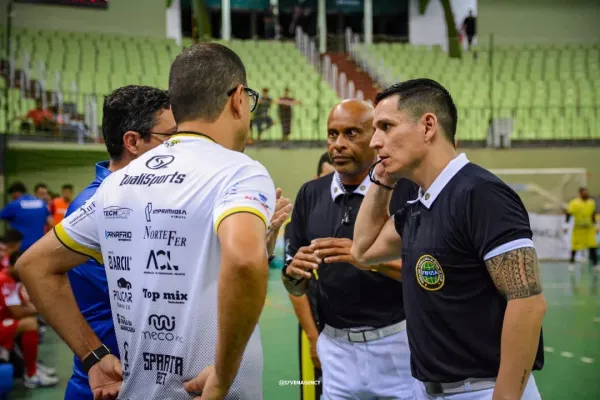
x,y
18,321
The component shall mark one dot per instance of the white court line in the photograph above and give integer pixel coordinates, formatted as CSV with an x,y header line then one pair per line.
x,y
596,319
566,354
549,349
587,360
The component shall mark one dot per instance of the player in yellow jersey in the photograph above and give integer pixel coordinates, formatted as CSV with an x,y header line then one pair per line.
x,y
583,211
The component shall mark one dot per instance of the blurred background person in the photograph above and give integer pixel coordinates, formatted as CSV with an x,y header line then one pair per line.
x,y
26,214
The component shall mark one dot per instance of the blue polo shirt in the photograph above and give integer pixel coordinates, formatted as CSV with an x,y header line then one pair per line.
x,y
28,215
91,293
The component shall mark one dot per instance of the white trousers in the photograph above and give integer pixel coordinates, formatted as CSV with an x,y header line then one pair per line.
x,y
376,370
530,393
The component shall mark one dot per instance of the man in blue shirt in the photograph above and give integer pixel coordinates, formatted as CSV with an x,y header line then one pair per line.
x,y
26,214
136,119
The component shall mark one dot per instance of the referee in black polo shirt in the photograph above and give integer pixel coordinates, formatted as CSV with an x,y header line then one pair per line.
x,y
305,308
472,288
363,346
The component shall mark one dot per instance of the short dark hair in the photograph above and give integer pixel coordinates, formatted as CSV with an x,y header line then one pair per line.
x,y
324,159
67,186
12,260
130,108
39,186
200,78
419,96
17,187
12,236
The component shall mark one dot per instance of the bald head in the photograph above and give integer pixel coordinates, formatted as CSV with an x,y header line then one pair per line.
x,y
352,109
349,131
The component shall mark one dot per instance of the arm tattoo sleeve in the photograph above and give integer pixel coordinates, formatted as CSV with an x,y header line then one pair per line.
x,y
516,273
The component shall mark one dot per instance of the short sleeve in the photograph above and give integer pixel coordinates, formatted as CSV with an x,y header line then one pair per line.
x,y
571,207
9,212
249,190
399,218
79,231
497,220
295,236
10,292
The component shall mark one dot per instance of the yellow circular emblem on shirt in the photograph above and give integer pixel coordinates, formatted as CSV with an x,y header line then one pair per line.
x,y
430,274
426,196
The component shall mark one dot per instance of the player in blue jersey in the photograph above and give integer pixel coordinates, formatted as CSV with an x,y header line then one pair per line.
x,y
26,214
136,119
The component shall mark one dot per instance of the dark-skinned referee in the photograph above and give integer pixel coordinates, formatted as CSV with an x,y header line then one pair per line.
x,y
363,346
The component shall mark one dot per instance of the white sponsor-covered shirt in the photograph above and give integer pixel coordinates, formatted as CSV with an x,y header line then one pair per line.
x,y
153,224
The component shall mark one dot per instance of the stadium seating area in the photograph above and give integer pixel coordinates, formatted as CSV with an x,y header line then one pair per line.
x,y
79,65
549,93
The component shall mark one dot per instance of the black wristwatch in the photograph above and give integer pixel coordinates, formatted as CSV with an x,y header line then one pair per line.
x,y
93,358
291,278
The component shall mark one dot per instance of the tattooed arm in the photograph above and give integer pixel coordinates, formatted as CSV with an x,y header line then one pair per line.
x,y
516,276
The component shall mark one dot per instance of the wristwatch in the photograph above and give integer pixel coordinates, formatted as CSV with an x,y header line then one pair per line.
x,y
96,356
291,278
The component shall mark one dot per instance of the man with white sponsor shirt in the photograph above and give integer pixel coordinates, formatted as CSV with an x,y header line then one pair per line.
x,y
216,201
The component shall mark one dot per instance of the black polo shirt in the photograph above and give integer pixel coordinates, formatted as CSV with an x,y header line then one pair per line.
x,y
346,297
454,312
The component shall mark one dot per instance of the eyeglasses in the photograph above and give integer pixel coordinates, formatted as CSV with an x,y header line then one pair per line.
x,y
162,135
253,94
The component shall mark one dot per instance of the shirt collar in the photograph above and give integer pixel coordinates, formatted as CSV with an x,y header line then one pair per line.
x,y
441,181
338,190
102,170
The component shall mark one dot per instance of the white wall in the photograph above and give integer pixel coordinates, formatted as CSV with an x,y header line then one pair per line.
x,y
173,21
430,28
127,17
539,21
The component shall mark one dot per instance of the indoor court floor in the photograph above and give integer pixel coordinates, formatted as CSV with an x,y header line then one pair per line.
x,y
571,338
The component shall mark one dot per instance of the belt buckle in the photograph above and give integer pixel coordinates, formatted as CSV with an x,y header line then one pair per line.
x,y
361,338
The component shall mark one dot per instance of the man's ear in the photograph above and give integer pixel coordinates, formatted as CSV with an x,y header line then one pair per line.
x,y
237,101
431,123
130,140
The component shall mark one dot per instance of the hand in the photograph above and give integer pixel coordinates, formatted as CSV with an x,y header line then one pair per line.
x,y
283,209
313,352
303,264
383,176
105,378
207,385
336,250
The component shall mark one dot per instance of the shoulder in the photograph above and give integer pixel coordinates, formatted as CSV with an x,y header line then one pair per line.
x,y
316,187
82,197
478,181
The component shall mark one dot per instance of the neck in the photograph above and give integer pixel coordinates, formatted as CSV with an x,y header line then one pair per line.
x,y
217,131
432,166
354,179
117,165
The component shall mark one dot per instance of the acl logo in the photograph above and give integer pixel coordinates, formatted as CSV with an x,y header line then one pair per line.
x,y
161,322
161,262
159,162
